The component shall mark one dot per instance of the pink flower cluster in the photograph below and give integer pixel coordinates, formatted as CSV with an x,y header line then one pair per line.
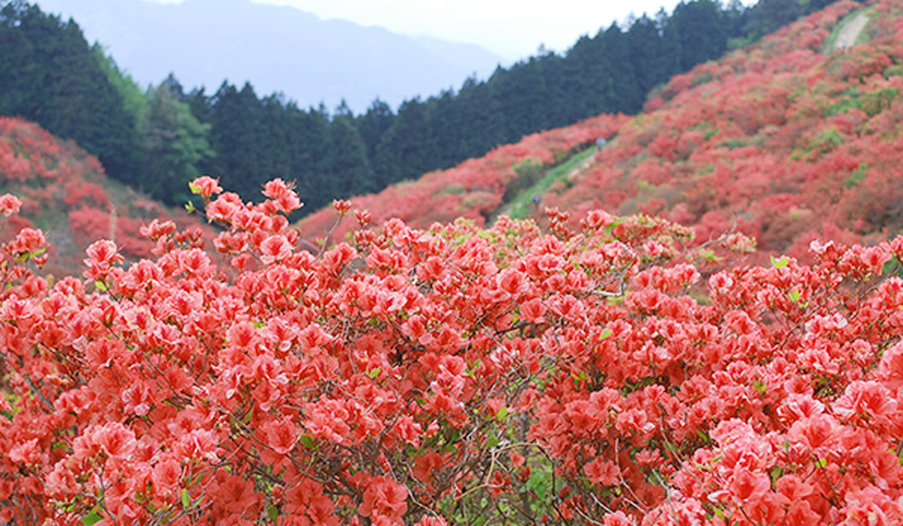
x,y
612,375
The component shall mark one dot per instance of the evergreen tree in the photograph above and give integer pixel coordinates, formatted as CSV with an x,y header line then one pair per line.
x,y
447,126
585,78
654,60
175,144
769,15
699,31
276,119
350,167
314,156
523,96
733,18
482,123
134,99
623,93
201,105
372,125
174,87
239,139
407,148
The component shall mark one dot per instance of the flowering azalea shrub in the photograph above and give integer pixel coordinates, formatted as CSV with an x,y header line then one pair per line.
x,y
614,374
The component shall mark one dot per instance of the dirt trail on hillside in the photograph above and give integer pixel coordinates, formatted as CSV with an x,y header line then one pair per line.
x,y
580,168
850,32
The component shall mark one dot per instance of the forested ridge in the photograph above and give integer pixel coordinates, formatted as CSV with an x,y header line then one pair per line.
x,y
159,138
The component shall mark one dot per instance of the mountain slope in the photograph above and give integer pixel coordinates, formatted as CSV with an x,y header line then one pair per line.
x,y
476,188
65,193
787,141
205,42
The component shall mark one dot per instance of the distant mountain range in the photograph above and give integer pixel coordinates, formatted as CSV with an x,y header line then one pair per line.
x,y
204,42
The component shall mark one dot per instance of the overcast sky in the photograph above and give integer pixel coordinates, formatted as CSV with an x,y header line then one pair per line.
x,y
512,29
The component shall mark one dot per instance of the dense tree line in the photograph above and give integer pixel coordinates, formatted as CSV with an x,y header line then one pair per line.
x,y
49,75
161,137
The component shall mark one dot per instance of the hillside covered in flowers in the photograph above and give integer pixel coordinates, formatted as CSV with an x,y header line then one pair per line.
x,y
65,191
788,140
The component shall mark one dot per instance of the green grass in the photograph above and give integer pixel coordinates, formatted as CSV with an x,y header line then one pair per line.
x,y
520,206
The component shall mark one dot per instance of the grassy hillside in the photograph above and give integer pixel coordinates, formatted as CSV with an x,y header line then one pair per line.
x,y
788,140
66,194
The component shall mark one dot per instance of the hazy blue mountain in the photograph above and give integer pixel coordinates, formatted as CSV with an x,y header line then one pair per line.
x,y
275,48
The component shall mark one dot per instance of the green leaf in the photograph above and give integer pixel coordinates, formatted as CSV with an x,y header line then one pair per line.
x,y
195,189
101,286
92,518
190,207
502,414
605,334
672,448
307,441
471,370
795,295
186,499
272,512
709,255
759,386
373,373
776,473
779,263
196,479
539,482
820,463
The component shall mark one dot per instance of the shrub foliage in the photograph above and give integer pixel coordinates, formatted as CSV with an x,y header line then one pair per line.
x,y
616,374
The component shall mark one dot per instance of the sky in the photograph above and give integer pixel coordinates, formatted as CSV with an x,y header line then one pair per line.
x,y
513,29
